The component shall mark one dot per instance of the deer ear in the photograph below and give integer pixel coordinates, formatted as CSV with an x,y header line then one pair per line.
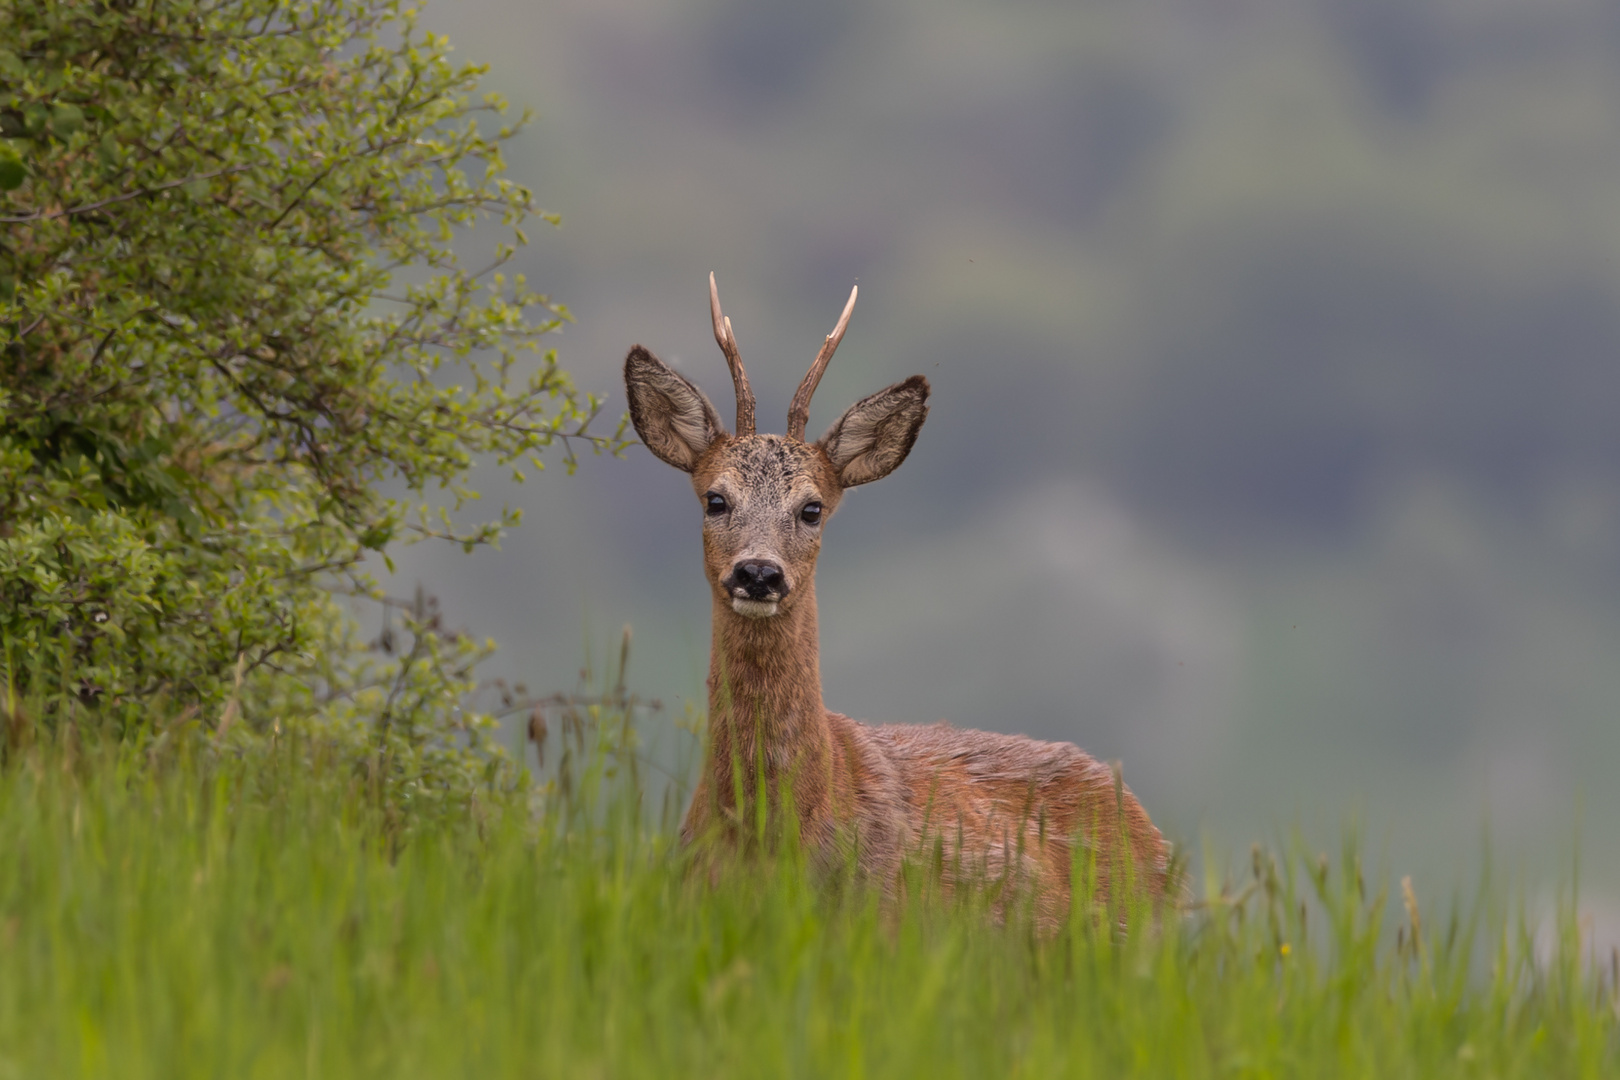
x,y
871,440
675,421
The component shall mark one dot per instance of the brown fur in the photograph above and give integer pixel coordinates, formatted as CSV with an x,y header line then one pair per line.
x,y
988,808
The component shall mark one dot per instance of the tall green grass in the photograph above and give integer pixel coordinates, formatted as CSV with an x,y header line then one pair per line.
x,y
192,912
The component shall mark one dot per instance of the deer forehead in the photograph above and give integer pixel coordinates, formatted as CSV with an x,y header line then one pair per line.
x,y
767,471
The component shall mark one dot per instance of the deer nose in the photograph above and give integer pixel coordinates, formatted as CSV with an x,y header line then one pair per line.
x,y
756,579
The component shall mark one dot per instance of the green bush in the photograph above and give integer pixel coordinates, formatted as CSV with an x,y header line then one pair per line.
x,y
230,313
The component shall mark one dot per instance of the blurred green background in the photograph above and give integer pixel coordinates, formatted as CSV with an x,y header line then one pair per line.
x,y
1275,348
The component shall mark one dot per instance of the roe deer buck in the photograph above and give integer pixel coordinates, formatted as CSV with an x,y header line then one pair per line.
x,y
996,807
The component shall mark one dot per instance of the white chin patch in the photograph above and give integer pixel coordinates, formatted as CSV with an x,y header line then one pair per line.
x,y
754,609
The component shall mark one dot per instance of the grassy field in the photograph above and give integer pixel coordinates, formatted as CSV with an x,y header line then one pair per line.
x,y
258,917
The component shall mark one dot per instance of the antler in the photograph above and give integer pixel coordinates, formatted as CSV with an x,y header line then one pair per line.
x,y
739,377
799,411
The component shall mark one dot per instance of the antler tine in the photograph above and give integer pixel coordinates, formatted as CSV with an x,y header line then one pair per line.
x,y
739,377
799,411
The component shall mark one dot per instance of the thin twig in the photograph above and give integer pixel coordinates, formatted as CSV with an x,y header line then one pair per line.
x,y
40,215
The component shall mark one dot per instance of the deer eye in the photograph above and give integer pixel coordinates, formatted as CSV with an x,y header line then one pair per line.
x,y
715,503
811,514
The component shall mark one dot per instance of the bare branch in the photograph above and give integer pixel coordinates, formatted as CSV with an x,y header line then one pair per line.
x,y
47,214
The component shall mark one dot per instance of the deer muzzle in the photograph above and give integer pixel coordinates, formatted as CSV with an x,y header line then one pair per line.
x,y
756,586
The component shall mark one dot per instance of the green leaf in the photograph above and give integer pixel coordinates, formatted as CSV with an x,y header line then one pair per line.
x,y
377,537
12,171
109,151
66,119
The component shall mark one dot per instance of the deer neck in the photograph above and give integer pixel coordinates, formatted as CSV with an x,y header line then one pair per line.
x,y
765,708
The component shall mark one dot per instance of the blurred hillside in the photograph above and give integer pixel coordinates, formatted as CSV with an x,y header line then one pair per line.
x,y
1276,356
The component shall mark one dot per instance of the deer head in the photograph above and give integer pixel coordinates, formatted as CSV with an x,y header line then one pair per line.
x,y
765,498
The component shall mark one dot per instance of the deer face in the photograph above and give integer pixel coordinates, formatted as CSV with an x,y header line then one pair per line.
x,y
765,498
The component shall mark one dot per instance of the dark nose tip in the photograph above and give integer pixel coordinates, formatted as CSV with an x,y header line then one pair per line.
x,y
760,579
